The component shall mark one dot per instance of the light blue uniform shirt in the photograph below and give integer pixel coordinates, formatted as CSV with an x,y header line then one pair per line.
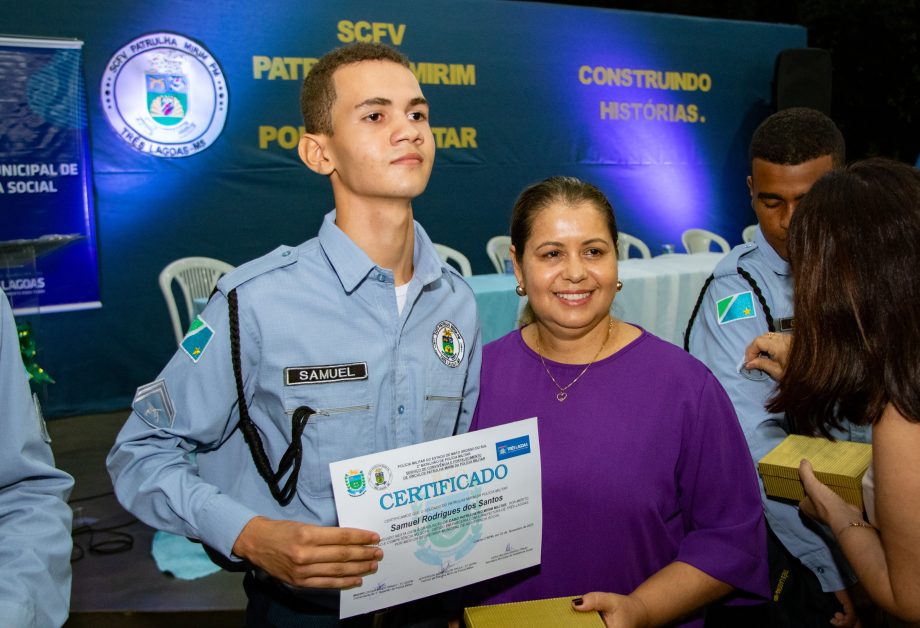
x,y
35,520
721,347
319,313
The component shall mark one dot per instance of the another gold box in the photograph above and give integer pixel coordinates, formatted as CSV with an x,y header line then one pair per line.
x,y
555,612
838,464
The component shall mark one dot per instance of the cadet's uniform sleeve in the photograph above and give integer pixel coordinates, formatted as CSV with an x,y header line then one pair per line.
x,y
471,386
186,410
721,347
35,520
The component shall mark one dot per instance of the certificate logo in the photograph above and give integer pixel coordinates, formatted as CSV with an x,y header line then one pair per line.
x,y
448,344
355,483
449,535
381,476
512,447
165,95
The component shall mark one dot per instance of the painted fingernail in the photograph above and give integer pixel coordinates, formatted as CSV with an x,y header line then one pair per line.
x,y
578,601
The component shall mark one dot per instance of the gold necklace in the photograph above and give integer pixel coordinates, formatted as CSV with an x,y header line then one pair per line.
x,y
562,395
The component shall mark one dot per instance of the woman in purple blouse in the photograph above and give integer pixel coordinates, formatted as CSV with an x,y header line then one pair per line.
x,y
649,492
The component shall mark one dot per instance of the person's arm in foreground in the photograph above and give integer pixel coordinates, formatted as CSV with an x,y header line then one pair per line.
x,y
886,560
675,591
35,520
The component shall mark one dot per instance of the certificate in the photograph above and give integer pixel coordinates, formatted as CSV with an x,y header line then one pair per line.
x,y
449,512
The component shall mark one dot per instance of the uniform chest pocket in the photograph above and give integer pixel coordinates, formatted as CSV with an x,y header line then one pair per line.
x,y
443,398
343,427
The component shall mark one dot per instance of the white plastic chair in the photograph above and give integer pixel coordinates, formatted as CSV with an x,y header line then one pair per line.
x,y
698,241
748,234
459,260
626,242
196,277
499,250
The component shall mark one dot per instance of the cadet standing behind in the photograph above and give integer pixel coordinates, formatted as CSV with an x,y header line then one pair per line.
x,y
750,294
356,341
35,520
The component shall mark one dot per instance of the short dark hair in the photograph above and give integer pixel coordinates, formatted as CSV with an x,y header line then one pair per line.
x,y
317,93
796,135
566,190
854,243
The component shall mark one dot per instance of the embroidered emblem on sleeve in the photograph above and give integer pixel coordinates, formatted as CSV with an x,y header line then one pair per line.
x,y
448,344
736,307
153,405
197,339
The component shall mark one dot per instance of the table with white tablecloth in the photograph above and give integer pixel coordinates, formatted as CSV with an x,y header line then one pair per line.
x,y
658,294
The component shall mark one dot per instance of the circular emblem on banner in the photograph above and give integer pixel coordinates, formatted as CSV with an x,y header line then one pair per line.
x,y
165,95
448,343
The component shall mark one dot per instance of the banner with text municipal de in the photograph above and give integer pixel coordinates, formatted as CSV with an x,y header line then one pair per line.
x,y
47,220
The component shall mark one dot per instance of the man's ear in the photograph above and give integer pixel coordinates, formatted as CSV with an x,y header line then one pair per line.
x,y
312,151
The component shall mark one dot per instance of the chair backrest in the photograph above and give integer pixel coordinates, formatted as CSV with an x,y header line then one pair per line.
x,y
459,260
196,277
748,234
626,242
499,250
698,241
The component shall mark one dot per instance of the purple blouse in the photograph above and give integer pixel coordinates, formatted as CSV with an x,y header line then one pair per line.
x,y
643,464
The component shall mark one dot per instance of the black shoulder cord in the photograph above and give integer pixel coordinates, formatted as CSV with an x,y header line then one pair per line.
x,y
291,459
696,308
747,277
763,301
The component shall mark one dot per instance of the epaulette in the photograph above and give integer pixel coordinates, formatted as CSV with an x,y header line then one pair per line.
x,y
280,257
452,270
728,265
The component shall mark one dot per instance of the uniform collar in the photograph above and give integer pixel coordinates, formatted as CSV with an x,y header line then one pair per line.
x,y
352,265
774,262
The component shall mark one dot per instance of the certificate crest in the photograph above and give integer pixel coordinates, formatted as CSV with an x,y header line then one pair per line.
x,y
355,483
381,476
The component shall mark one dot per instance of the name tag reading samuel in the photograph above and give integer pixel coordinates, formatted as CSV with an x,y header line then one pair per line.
x,y
297,375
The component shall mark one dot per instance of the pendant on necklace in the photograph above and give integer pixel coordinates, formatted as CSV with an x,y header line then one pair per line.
x,y
561,396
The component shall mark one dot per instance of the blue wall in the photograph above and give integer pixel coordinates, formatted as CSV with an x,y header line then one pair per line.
x,y
668,158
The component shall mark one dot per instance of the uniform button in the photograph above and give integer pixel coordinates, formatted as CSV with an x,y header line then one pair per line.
x,y
820,569
285,254
381,278
402,409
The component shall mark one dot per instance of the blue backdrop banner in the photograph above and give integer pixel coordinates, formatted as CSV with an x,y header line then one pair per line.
x,y
194,118
47,222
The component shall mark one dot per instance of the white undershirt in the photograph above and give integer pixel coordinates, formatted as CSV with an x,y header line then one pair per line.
x,y
401,292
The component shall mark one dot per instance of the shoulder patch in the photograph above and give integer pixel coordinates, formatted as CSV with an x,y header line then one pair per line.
x,y
197,339
153,405
735,307
280,257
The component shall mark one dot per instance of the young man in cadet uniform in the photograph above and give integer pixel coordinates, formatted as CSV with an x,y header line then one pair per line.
x,y
749,294
359,340
35,520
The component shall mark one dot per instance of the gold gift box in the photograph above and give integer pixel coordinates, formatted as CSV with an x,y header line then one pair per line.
x,y
838,464
557,612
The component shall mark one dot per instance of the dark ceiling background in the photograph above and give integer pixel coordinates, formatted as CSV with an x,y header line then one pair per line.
x,y
874,51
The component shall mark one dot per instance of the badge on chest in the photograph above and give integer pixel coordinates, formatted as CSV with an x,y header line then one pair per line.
x,y
325,374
